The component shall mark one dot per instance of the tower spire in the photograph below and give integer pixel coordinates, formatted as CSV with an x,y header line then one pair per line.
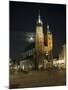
x,y
39,18
48,28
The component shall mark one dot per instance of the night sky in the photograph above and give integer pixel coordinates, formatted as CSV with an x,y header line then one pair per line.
x,y
23,17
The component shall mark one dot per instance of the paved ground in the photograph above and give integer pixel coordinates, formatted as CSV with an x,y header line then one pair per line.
x,y
38,78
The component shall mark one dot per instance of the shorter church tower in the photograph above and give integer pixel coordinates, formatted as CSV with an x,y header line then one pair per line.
x,y
50,47
49,39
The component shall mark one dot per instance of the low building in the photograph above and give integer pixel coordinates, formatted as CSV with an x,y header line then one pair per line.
x,y
62,57
61,62
26,65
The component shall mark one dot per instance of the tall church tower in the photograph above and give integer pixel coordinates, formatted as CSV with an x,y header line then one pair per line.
x,y
39,45
39,35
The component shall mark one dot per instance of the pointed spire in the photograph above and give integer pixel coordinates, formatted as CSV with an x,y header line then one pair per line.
x,y
47,27
39,18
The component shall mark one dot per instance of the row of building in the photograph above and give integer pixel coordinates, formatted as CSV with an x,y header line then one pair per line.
x,y
26,64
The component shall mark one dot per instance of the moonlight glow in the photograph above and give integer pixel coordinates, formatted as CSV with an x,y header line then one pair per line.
x,y
30,37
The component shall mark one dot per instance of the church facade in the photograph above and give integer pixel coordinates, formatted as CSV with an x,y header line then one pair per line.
x,y
41,49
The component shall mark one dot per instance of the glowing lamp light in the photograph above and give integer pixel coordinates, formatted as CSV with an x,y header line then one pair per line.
x,y
61,61
23,67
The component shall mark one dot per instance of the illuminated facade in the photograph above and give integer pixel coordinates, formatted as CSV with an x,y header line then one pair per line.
x,y
41,49
62,57
60,63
